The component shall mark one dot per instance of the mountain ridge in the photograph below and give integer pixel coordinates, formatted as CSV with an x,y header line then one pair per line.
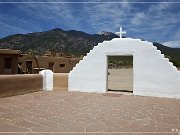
x,y
71,41
56,39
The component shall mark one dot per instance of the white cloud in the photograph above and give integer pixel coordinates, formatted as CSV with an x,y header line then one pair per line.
x,y
177,35
160,7
138,18
173,44
53,12
106,16
37,14
147,21
13,24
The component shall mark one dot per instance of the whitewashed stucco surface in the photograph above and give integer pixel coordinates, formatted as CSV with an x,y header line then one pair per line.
x,y
47,79
153,75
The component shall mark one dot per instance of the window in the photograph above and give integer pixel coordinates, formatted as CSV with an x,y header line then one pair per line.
x,y
7,62
51,64
62,65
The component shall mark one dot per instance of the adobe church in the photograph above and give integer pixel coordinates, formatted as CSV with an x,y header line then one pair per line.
x,y
153,74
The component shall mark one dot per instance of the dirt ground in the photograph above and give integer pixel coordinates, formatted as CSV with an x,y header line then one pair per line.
x,y
120,79
77,113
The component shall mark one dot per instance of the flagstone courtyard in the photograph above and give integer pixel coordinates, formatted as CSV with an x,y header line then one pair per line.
x,y
57,112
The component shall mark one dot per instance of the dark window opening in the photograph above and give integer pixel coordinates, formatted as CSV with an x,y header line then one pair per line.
x,y
51,65
7,62
29,66
62,65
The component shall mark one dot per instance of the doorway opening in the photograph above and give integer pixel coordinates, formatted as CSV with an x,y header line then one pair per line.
x,y
29,66
8,65
51,66
120,74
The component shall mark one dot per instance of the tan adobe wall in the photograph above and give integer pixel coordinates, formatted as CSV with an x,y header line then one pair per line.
x,y
10,51
44,61
11,85
60,81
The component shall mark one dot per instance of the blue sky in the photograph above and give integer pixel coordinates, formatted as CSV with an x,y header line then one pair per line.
x,y
150,21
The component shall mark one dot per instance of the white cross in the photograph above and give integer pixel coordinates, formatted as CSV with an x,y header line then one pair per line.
x,y
120,32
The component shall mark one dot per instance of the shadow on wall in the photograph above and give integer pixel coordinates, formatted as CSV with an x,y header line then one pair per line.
x,y
11,85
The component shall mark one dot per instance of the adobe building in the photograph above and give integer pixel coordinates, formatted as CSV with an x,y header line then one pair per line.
x,y
34,64
9,61
57,62
13,62
52,53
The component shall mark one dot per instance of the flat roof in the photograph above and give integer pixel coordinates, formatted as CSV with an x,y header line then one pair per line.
x,y
10,51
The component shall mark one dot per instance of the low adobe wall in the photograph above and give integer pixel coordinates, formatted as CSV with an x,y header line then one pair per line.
x,y
11,85
60,81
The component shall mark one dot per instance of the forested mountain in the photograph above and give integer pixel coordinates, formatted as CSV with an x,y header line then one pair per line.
x,y
74,42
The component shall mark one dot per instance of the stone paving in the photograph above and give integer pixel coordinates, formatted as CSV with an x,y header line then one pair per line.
x,y
59,113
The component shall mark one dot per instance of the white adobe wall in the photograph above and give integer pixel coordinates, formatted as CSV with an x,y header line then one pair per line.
x,y
47,79
153,75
